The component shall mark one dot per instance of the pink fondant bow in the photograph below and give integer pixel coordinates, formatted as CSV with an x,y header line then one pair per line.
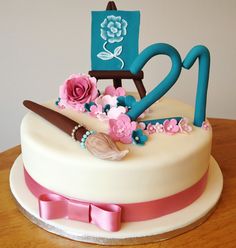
x,y
53,206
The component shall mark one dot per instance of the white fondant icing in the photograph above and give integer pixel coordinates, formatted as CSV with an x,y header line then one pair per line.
x,y
164,166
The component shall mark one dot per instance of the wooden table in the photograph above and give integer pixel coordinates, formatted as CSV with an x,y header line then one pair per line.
x,y
218,231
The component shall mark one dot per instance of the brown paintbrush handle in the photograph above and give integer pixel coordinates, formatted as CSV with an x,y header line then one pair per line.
x,y
62,122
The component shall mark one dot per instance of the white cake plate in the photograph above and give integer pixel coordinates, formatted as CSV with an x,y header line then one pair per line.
x,y
131,233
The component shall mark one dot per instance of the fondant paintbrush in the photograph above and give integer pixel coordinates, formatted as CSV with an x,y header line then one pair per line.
x,y
99,144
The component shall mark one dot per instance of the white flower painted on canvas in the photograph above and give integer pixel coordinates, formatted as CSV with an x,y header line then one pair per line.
x,y
113,29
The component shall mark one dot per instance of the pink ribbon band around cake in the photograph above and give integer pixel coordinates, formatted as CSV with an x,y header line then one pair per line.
x,y
110,216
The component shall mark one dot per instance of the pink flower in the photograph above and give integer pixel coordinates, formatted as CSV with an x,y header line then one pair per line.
x,y
184,127
206,125
102,117
112,91
170,126
77,90
151,128
141,125
104,100
122,128
60,105
95,110
159,128
115,112
80,107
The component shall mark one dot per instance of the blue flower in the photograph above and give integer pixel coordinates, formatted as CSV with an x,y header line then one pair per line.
x,y
126,101
113,29
58,100
138,137
106,108
121,101
87,106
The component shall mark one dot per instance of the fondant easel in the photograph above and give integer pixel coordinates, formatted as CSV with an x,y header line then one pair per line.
x,y
117,76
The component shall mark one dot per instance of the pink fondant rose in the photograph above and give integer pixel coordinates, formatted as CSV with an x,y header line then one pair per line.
x,y
78,90
122,128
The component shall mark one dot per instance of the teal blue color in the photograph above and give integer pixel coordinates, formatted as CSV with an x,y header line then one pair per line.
x,y
82,145
138,137
203,55
58,100
166,83
87,106
106,108
126,101
160,121
84,138
129,44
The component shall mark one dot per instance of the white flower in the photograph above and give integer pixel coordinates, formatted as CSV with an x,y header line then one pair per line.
x,y
113,29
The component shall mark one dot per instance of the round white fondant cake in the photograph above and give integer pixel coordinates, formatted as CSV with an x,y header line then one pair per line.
x,y
164,166
106,159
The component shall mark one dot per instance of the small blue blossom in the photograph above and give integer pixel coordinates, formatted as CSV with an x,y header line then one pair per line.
x,y
121,101
138,137
106,108
57,101
126,101
87,106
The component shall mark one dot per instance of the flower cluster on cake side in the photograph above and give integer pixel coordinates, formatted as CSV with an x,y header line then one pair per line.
x,y
80,93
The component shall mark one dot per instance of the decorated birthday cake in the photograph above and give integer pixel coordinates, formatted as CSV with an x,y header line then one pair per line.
x,y
117,163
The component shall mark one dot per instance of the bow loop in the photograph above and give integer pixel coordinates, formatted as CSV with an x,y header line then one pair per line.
x,y
52,206
106,217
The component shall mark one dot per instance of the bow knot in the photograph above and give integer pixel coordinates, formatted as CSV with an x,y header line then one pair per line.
x,y
105,216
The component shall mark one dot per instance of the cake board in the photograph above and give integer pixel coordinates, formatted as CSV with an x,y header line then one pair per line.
x,y
131,233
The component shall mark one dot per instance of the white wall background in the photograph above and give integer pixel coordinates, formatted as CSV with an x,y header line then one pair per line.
x,y
43,42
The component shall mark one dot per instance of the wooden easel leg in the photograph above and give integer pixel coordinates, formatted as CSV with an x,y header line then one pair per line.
x,y
117,83
140,87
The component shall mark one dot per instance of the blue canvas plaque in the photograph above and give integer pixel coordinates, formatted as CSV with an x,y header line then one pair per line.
x,y
114,38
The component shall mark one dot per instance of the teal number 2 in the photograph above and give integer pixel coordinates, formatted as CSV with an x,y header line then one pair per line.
x,y
165,84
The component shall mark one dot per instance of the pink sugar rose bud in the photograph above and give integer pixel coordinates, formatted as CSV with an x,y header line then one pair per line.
x,y
159,128
141,125
122,128
112,91
78,89
170,126
120,91
184,126
206,126
151,128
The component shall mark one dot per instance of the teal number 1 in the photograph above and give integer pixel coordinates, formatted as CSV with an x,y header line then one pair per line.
x,y
203,55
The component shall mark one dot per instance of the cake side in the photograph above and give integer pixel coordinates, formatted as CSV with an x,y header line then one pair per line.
x,y
164,166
